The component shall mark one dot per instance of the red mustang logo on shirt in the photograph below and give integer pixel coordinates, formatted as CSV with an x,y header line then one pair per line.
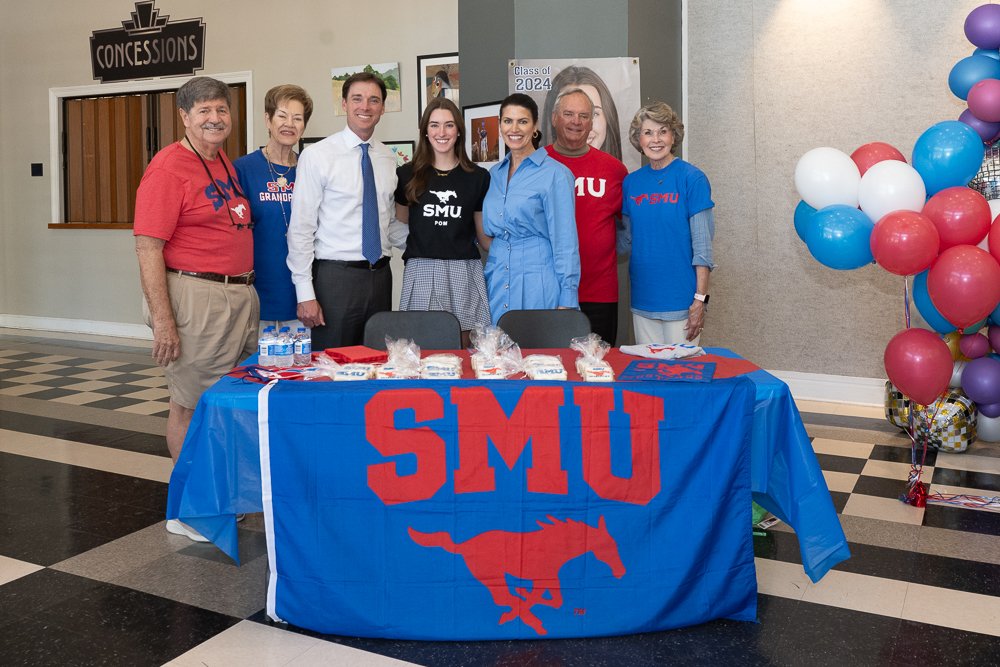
x,y
656,198
534,557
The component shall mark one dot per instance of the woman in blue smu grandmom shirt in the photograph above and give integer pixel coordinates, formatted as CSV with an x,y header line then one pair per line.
x,y
534,260
667,207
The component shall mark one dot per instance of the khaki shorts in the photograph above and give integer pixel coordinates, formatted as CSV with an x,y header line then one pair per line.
x,y
217,325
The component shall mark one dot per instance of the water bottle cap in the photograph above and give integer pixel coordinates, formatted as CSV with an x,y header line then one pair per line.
x,y
284,329
302,329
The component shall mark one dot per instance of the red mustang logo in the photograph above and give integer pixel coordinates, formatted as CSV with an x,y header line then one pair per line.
x,y
536,556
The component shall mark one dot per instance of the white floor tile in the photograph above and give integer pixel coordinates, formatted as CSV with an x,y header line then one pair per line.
x,y
786,580
953,609
11,569
145,466
859,592
859,450
247,643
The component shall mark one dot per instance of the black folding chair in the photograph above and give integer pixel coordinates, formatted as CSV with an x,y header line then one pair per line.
x,y
430,329
544,328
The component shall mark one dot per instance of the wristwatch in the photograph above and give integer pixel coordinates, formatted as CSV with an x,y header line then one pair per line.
x,y
702,297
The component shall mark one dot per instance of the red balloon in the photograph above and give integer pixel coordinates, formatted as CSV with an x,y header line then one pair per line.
x,y
904,242
873,153
964,284
962,216
919,363
994,242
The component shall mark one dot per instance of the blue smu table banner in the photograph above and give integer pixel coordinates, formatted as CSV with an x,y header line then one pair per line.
x,y
507,509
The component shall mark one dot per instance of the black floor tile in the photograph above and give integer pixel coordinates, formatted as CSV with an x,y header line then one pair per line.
x,y
90,434
115,402
962,519
143,627
50,394
902,455
881,487
37,591
973,480
839,500
57,382
834,463
923,644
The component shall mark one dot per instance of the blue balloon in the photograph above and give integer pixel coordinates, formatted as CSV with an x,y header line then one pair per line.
x,y
989,53
947,154
969,71
994,317
840,237
803,219
922,300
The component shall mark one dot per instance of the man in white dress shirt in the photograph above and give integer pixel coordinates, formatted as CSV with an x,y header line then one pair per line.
x,y
337,287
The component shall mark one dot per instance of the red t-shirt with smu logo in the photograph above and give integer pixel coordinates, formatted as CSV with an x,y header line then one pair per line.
x,y
598,178
177,203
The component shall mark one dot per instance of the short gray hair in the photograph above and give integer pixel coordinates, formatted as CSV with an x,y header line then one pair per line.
x,y
202,89
661,114
572,91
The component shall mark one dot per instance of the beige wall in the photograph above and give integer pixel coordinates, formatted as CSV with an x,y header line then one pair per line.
x,y
92,274
768,81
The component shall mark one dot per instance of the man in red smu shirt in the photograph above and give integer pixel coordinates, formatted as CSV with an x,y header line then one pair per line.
x,y
598,179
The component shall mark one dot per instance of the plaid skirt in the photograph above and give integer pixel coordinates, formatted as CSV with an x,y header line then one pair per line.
x,y
455,285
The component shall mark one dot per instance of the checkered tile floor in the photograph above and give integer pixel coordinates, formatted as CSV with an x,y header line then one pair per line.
x,y
111,385
84,558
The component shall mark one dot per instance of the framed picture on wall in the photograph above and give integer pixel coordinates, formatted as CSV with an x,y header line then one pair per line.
x,y
403,150
482,134
305,141
437,76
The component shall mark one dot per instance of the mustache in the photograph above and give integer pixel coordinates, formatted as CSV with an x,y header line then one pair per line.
x,y
213,126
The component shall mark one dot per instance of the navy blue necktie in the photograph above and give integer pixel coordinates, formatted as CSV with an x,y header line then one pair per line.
x,y
371,239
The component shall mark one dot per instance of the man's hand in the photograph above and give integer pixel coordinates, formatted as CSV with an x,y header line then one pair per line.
x,y
310,314
166,343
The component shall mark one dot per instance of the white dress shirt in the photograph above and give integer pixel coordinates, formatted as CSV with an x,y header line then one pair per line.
x,y
326,214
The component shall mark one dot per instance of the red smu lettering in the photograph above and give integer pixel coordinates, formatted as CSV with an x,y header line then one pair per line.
x,y
424,443
646,413
481,419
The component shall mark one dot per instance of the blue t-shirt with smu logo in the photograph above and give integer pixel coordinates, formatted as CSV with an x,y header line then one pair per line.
x,y
659,204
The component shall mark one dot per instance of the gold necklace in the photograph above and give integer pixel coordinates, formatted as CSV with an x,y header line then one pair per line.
x,y
281,182
279,178
445,172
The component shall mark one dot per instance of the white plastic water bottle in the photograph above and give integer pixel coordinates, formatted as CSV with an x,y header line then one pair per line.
x,y
283,350
265,347
303,347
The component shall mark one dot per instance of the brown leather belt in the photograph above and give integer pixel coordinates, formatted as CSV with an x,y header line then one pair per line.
x,y
242,279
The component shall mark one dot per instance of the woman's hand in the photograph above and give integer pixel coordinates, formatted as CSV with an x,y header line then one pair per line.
x,y
695,320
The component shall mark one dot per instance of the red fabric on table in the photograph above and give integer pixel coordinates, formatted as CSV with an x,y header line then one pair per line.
x,y
356,354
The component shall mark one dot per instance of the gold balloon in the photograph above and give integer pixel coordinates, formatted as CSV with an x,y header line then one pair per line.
x,y
897,407
952,340
949,424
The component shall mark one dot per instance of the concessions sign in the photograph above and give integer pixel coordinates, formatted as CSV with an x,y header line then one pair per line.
x,y
148,45
507,510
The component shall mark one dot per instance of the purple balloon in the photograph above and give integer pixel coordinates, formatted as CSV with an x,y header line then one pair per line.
x,y
985,130
974,345
981,380
994,336
982,26
989,410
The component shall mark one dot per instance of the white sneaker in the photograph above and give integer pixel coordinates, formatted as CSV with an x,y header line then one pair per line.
x,y
177,528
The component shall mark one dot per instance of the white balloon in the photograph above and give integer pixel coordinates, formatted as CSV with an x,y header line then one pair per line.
x,y
988,428
889,186
956,374
825,176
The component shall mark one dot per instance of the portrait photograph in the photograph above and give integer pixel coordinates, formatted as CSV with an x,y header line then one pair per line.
x,y
482,134
437,76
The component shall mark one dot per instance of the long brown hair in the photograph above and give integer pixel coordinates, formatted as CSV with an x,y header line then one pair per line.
x,y
423,158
